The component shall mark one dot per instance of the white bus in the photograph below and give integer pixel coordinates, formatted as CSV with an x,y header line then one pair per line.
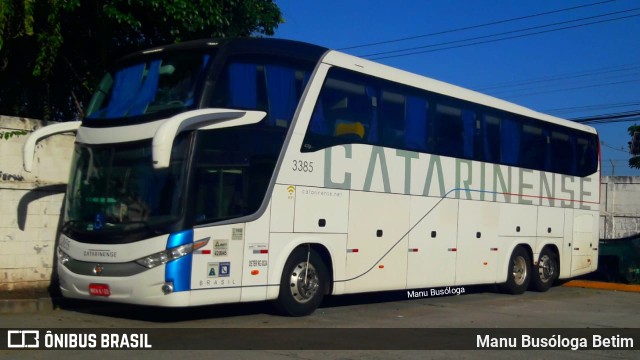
x,y
223,171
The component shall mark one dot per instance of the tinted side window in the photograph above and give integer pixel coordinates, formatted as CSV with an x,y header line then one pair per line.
x,y
562,152
392,115
345,112
264,84
533,147
354,108
586,154
510,134
491,138
448,130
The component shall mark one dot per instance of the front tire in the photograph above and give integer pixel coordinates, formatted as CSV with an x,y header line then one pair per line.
x,y
546,272
303,284
518,272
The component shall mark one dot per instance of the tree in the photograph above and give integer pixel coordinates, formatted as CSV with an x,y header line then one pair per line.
x,y
634,146
52,52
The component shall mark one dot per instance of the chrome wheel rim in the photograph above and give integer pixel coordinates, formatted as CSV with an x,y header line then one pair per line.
x,y
546,268
519,270
304,282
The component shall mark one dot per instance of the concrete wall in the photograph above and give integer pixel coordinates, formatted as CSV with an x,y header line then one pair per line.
x,y
619,206
30,205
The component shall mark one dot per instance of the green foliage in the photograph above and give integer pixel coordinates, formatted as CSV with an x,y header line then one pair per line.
x,y
6,135
10,12
52,52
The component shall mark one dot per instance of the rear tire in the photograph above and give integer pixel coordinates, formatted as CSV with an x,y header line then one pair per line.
x,y
303,284
546,272
518,272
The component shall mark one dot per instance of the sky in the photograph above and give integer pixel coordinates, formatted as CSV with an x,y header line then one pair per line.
x,y
566,58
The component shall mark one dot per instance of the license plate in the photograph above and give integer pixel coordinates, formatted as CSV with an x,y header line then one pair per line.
x,y
99,290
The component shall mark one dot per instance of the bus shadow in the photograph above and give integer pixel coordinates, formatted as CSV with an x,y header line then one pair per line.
x,y
158,314
180,314
402,295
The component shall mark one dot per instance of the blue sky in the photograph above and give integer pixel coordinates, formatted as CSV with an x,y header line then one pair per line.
x,y
590,68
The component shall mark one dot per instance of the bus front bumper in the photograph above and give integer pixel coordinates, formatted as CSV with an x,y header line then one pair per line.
x,y
145,288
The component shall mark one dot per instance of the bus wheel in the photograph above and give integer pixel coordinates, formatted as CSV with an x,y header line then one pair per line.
x,y
546,272
518,272
303,283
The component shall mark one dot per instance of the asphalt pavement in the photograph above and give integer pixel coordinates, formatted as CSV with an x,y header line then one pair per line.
x,y
41,300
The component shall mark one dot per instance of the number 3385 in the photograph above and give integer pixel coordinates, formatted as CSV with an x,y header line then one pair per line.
x,y
304,166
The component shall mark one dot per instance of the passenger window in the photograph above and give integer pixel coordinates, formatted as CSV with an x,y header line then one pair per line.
x,y
416,123
267,86
346,112
491,139
354,108
448,131
392,116
510,137
533,147
586,152
470,134
562,153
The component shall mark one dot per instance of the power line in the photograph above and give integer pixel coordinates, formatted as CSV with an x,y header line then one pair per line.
x,y
550,84
560,87
609,118
511,96
496,40
590,107
635,119
472,27
573,75
613,148
502,33
553,81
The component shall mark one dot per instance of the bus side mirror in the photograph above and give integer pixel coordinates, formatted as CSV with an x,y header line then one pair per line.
x,y
203,119
29,149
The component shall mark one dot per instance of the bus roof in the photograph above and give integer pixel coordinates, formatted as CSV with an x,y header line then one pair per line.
x,y
315,53
289,48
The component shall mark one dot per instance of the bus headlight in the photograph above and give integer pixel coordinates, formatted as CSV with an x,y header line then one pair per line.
x,y
165,256
63,258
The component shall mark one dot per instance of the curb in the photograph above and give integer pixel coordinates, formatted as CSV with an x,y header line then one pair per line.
x,y
602,285
19,306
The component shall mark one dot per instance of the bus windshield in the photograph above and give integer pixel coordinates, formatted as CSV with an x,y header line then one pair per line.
x,y
115,187
158,85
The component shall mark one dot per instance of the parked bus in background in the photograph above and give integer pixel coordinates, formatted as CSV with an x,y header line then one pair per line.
x,y
224,171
